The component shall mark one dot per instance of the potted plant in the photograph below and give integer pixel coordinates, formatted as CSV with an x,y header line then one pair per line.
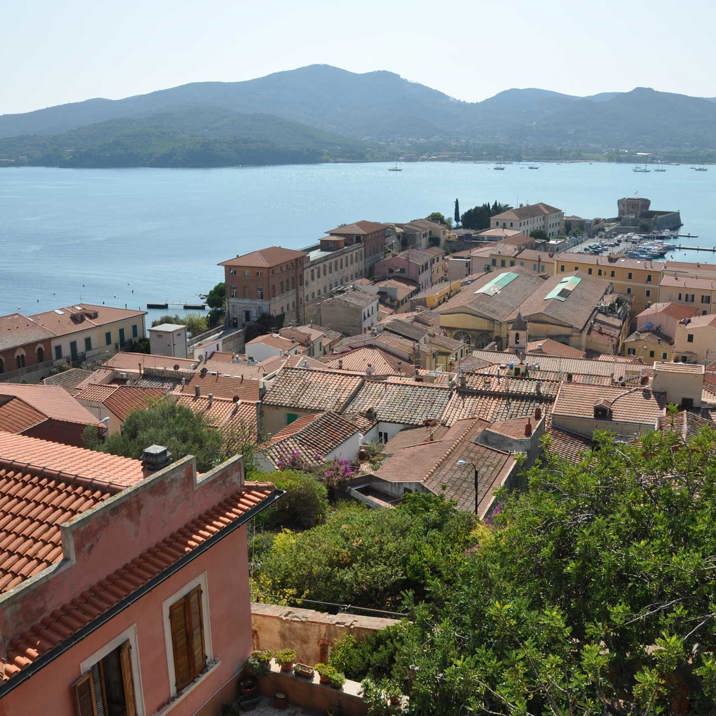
x,y
324,672
259,662
336,679
303,670
286,659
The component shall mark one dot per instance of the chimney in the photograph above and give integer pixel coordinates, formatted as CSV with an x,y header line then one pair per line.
x,y
538,413
528,429
155,457
197,391
203,372
340,364
210,398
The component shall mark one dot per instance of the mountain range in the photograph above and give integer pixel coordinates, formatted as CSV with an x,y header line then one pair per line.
x,y
322,113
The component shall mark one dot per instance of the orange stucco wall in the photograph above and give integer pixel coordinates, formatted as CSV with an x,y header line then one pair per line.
x,y
225,565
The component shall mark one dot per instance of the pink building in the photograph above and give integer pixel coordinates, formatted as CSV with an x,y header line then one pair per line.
x,y
123,589
664,318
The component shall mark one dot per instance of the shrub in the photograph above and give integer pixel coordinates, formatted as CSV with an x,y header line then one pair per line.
x,y
372,656
303,506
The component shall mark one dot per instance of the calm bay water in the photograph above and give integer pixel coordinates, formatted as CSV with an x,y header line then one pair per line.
x,y
132,236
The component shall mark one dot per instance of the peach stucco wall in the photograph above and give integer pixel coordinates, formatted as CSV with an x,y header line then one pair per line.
x,y
225,565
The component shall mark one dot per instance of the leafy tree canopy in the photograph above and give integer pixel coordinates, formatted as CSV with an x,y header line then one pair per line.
x,y
439,218
595,594
194,322
303,506
165,423
372,558
478,217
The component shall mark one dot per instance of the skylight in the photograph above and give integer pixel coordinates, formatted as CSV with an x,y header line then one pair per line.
x,y
564,288
498,283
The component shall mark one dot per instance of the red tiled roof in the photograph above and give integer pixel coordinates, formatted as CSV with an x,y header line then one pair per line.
x,y
380,362
312,390
223,386
225,415
60,321
567,445
265,258
126,399
52,401
63,623
313,437
16,416
96,392
85,465
18,330
132,362
275,341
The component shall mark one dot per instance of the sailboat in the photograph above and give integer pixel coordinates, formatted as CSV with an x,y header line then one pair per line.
x,y
642,170
395,168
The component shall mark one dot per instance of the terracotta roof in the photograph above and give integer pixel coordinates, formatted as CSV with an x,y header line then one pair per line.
x,y
16,416
688,282
354,298
253,371
101,376
96,393
606,263
312,389
567,445
42,486
685,423
68,379
225,415
675,310
492,407
570,307
222,386
406,329
380,362
126,399
275,341
550,347
131,362
313,437
18,330
359,228
395,345
51,400
500,305
431,455
59,626
404,403
265,258
86,465
529,211
81,317
628,405
298,360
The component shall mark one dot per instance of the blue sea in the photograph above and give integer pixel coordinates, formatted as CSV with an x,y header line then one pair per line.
x,y
133,236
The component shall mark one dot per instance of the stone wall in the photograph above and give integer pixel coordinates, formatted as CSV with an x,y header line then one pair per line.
x,y
310,633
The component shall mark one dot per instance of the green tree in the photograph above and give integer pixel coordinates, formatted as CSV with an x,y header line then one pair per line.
x,y
216,300
457,212
164,423
372,558
595,594
539,235
303,506
438,218
478,217
195,322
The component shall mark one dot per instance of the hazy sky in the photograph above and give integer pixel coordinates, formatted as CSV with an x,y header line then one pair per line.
x,y
55,51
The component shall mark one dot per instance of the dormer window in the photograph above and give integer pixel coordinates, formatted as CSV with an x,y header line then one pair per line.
x,y
602,410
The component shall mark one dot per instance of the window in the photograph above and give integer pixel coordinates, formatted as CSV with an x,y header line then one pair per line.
x,y
705,299
121,336
599,272
290,418
382,437
2,365
561,268
651,354
494,263
629,291
108,338
134,330
663,356
611,274
88,343
629,275
648,278
631,351
648,292
589,270
107,684
40,352
690,338
58,352
186,626
20,360
259,293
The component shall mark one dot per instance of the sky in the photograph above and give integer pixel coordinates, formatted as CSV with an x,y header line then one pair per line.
x,y
57,51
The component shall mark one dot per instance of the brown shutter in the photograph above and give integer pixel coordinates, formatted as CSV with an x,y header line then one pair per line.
x,y
196,630
125,660
180,644
83,690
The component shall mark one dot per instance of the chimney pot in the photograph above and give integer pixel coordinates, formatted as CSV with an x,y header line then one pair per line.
x,y
528,429
197,391
210,397
538,413
155,457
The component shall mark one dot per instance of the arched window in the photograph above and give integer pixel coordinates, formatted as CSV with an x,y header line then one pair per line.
x,y
2,365
40,354
20,359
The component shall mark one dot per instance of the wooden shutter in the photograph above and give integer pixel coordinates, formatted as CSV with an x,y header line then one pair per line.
x,y
196,630
185,618
84,693
125,661
180,644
